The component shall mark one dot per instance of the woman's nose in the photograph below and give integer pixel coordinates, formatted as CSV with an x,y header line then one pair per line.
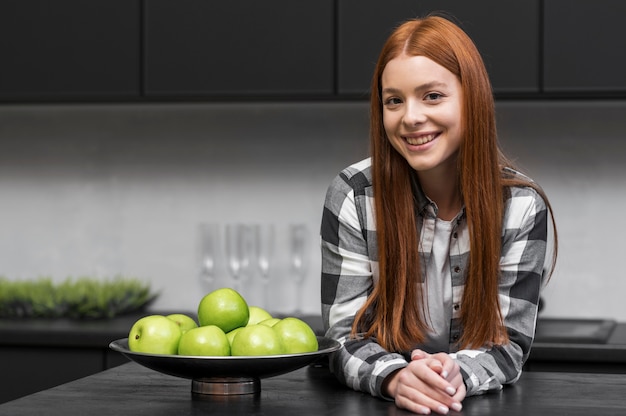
x,y
414,114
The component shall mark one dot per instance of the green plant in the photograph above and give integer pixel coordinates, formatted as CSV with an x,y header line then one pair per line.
x,y
83,297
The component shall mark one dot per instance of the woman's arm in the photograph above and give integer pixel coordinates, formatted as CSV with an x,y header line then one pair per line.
x,y
522,265
347,280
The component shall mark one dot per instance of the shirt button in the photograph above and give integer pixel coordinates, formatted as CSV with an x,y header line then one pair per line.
x,y
456,306
455,235
457,269
455,337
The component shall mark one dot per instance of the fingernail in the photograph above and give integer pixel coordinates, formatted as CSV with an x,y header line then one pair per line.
x,y
444,374
456,407
443,410
451,390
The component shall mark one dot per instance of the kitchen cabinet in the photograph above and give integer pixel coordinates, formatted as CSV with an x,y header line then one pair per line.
x,y
584,47
42,353
506,33
177,50
69,49
36,368
238,48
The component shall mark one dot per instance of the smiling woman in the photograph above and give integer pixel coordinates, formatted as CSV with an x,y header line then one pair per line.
x,y
421,107
434,247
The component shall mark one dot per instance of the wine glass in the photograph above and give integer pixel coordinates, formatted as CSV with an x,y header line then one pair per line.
x,y
209,244
239,252
264,249
298,242
234,253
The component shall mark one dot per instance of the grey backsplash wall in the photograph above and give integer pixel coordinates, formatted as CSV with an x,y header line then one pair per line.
x,y
112,189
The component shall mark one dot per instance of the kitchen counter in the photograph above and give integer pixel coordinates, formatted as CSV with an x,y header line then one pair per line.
x,y
131,389
41,353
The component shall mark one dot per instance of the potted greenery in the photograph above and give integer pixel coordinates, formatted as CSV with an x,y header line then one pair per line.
x,y
80,298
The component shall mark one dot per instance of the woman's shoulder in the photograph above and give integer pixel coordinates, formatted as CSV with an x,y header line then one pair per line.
x,y
357,176
360,168
353,182
522,189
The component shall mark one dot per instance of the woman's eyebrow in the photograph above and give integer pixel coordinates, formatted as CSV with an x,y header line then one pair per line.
x,y
426,86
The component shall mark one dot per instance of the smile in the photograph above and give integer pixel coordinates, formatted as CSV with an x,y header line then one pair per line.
x,y
416,141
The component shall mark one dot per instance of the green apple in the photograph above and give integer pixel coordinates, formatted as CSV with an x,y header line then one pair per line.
x,y
185,322
296,335
231,334
270,322
225,308
154,334
257,315
207,340
256,340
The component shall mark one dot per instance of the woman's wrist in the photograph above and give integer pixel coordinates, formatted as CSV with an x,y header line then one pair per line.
x,y
388,387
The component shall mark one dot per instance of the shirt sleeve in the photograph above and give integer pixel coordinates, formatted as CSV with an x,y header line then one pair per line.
x,y
347,280
522,269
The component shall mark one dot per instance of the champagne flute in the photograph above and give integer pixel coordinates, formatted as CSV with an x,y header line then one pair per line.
x,y
239,251
234,253
298,241
247,253
264,244
209,252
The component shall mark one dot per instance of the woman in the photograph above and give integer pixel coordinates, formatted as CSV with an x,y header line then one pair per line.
x,y
433,249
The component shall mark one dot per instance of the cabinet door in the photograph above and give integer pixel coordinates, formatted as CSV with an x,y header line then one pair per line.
x,y
506,33
68,49
238,48
28,369
585,46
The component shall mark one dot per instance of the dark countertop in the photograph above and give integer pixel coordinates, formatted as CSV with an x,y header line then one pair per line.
x,y
88,333
95,333
551,343
131,389
595,341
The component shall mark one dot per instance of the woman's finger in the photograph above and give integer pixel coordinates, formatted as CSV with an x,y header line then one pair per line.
x,y
419,399
419,354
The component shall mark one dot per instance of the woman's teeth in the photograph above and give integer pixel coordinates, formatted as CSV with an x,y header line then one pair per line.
x,y
416,141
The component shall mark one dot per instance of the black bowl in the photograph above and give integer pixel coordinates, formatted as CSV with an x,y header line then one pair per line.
x,y
226,375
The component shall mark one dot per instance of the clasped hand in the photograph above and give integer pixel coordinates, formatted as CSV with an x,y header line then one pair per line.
x,y
431,382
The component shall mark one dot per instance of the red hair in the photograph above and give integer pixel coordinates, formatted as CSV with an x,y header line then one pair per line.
x,y
394,311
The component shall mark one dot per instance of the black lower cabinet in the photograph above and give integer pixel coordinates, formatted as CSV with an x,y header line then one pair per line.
x,y
32,369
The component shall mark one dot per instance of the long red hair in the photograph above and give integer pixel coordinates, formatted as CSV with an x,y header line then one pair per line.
x,y
394,312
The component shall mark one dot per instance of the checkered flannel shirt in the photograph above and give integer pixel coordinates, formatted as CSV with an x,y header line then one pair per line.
x,y
350,268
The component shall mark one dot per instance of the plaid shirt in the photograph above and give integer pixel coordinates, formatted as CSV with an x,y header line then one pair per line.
x,y
350,268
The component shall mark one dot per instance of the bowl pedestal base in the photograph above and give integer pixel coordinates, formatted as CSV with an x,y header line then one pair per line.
x,y
226,386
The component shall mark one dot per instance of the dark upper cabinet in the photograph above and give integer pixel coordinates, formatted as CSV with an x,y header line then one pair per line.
x,y
585,46
69,49
239,48
148,50
506,33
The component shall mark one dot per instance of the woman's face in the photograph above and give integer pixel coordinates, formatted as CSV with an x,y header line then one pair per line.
x,y
422,112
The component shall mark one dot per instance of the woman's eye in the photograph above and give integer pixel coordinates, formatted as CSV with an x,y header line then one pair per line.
x,y
433,96
392,101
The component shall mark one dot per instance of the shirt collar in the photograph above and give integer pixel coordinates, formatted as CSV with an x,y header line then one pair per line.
x,y
421,200
423,203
